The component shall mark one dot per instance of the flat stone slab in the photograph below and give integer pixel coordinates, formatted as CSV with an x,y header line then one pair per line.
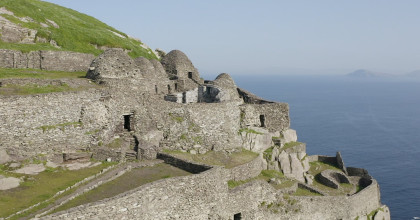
x,y
9,183
31,169
51,164
77,165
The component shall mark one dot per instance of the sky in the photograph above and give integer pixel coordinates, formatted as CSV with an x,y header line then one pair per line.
x,y
272,36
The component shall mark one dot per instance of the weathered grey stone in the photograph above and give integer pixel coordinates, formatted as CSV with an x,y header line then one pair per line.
x,y
77,165
273,165
56,158
333,178
309,179
147,151
153,137
46,60
296,168
192,151
256,139
31,169
14,165
51,164
202,150
4,157
285,163
289,135
275,154
340,163
305,164
9,183
383,214
77,156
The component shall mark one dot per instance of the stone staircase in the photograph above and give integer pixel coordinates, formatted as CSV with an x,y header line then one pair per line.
x,y
128,152
130,155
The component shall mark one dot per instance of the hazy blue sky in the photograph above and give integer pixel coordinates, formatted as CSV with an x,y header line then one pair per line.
x,y
272,36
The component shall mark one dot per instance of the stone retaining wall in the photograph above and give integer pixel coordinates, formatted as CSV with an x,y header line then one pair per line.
x,y
248,170
206,196
182,164
46,60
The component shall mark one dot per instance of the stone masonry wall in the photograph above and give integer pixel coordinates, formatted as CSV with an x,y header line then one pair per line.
x,y
46,60
24,133
248,170
276,115
206,196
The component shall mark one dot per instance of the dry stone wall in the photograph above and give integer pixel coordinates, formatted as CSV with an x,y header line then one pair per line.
x,y
46,60
273,116
206,196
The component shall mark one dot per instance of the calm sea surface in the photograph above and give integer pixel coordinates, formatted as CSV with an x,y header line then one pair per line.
x,y
374,123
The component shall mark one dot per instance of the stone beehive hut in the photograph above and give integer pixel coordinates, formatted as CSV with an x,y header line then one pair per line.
x,y
176,63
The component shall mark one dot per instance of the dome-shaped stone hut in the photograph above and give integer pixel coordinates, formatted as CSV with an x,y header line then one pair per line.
x,y
176,63
113,64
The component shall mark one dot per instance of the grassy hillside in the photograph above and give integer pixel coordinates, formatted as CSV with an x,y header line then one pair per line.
x,y
76,32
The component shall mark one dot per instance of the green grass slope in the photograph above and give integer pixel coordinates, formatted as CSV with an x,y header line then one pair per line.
x,y
77,32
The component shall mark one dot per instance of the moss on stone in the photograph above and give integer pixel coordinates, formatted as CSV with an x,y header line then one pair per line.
x,y
248,131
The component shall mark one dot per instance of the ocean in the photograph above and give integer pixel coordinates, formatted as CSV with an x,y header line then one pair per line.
x,y
374,123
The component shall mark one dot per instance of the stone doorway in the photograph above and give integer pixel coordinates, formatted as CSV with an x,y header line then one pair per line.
x,y
262,120
237,216
127,122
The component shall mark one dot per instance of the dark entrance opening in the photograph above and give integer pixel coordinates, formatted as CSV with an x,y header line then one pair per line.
x,y
262,120
190,75
127,125
184,97
156,89
169,89
237,216
176,86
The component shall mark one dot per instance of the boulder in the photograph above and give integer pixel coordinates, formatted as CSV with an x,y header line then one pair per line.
x,y
296,168
154,137
77,156
340,163
147,151
9,183
309,179
31,169
289,135
275,154
77,165
285,163
14,165
273,165
256,139
56,158
4,157
383,214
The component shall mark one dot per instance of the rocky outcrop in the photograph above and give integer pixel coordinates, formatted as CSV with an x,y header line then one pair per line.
x,y
256,139
291,161
383,214
8,182
14,33
4,157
